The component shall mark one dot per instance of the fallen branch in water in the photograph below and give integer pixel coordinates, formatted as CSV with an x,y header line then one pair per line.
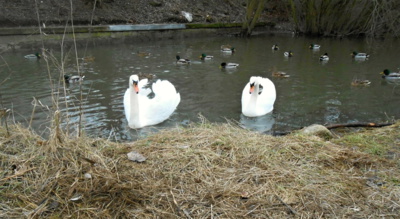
x,y
370,124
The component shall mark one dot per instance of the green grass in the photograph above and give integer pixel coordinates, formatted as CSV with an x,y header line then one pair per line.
x,y
224,25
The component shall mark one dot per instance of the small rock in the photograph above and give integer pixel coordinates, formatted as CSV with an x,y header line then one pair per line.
x,y
245,195
318,130
87,175
136,157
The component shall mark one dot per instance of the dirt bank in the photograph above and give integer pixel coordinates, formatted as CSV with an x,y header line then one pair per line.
x,y
51,12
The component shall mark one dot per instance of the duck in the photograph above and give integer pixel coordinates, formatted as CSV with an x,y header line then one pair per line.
x,y
387,74
288,54
314,46
258,97
324,57
226,46
280,74
33,56
228,65
359,82
73,79
140,110
228,49
275,47
143,54
360,55
88,58
206,57
180,61
146,75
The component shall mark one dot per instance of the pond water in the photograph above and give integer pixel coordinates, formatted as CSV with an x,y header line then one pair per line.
x,y
315,92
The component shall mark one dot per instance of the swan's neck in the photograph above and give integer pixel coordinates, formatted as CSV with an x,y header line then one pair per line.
x,y
254,95
134,114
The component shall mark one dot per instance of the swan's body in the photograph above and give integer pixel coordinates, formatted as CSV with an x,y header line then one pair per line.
x,y
33,56
314,46
359,55
229,65
275,47
324,57
387,74
181,61
142,111
73,79
288,54
258,97
206,57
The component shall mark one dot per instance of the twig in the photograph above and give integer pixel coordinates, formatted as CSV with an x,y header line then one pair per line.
x,y
369,124
290,208
18,174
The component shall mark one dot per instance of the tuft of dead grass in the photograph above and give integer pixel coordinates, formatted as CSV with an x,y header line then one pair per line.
x,y
204,171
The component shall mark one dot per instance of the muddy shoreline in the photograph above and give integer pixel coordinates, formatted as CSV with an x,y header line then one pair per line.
x,y
32,38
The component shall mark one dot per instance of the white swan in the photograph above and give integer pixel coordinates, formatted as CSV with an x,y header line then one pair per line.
x,y
258,97
142,111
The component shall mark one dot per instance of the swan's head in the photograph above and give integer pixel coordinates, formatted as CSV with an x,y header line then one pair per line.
x,y
133,81
254,81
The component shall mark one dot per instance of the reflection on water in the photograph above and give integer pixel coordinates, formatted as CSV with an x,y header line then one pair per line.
x,y
261,124
315,92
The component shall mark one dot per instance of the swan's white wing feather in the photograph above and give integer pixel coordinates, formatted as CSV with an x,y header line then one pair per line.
x,y
127,104
143,90
246,96
164,103
267,98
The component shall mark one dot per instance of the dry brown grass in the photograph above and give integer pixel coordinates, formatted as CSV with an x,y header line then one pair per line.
x,y
204,171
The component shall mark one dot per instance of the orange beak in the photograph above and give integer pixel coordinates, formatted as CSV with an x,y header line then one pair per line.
x,y
136,87
251,88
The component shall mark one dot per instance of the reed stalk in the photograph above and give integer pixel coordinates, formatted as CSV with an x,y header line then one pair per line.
x,y
253,12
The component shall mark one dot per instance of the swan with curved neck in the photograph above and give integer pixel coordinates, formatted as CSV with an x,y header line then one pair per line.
x,y
258,97
140,110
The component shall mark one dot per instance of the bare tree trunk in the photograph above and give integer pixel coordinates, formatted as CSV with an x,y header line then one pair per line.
x,y
253,12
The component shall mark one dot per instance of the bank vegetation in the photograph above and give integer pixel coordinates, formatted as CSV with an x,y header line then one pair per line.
x,y
202,171
376,18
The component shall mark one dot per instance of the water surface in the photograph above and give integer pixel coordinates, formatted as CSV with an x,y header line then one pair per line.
x,y
315,92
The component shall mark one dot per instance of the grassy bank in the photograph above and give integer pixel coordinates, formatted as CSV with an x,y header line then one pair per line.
x,y
204,171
